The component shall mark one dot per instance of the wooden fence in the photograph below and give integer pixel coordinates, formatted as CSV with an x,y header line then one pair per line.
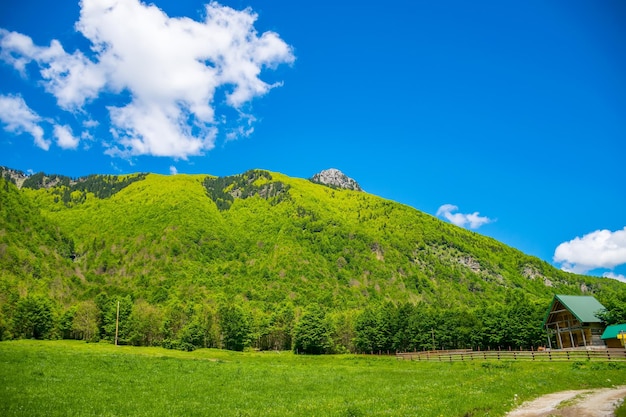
x,y
516,355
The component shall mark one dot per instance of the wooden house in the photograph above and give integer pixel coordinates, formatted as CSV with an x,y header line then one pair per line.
x,y
571,322
615,335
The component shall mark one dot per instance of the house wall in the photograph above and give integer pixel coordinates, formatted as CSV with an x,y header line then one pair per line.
x,y
566,328
613,343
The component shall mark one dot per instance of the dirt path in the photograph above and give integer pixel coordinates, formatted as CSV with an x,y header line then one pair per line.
x,y
584,403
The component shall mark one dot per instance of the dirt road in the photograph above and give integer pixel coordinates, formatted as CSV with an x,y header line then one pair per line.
x,y
585,403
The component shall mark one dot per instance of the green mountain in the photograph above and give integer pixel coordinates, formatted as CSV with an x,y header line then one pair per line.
x,y
259,249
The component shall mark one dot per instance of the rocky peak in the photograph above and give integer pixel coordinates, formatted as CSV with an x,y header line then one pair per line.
x,y
13,175
335,178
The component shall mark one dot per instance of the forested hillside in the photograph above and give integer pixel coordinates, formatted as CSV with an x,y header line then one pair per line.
x,y
260,260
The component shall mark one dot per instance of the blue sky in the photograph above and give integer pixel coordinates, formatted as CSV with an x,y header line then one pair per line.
x,y
508,118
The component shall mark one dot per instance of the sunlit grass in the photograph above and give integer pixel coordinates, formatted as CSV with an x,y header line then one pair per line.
x,y
62,378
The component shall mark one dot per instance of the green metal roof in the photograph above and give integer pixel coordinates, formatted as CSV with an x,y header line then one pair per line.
x,y
612,331
583,307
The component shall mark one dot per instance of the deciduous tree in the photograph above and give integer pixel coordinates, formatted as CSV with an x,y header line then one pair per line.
x,y
33,317
85,321
235,327
312,333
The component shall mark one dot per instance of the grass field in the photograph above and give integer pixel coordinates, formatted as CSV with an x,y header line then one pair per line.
x,y
70,378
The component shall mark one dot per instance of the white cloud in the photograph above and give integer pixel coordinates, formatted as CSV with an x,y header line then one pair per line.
x,y
18,118
65,137
171,67
599,249
89,124
173,170
613,275
473,220
71,78
239,132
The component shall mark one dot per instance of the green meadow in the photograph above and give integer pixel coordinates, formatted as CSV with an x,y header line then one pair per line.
x,y
72,378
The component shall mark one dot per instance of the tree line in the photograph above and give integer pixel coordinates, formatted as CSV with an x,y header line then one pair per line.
x,y
313,329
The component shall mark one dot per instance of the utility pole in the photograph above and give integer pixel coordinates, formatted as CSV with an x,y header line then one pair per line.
x,y
117,322
432,330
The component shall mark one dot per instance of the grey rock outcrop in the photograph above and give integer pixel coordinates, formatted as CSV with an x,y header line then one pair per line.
x,y
335,178
13,175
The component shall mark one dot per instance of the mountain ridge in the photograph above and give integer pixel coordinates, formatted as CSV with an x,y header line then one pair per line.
x,y
530,271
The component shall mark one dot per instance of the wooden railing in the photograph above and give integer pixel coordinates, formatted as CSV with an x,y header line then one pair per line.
x,y
514,355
